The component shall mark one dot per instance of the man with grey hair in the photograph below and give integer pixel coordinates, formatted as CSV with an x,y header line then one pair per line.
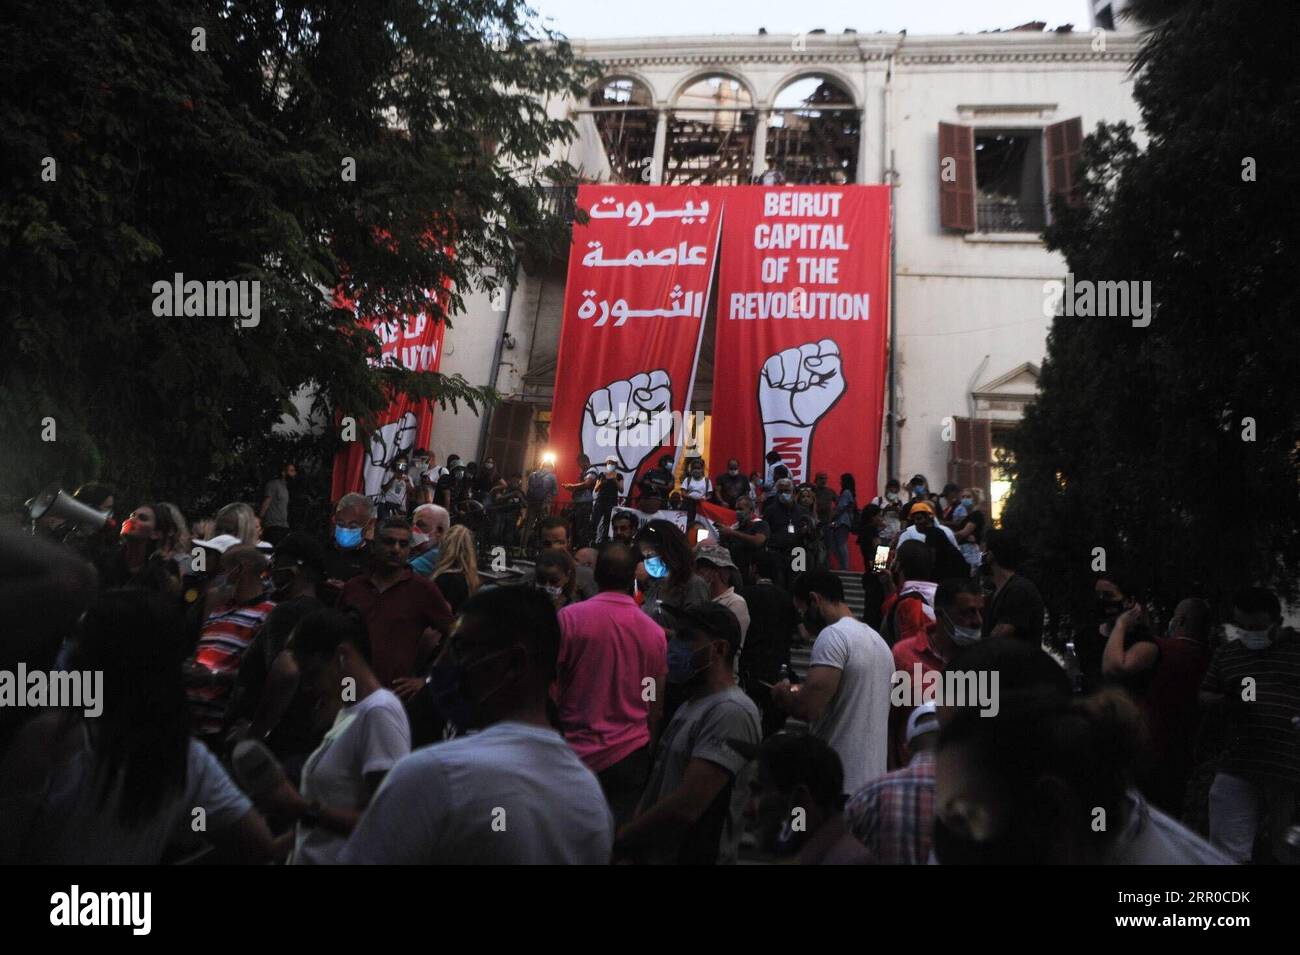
x,y
786,520
348,553
429,523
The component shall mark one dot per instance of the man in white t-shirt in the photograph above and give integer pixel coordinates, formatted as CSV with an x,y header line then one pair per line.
x,y
845,699
513,793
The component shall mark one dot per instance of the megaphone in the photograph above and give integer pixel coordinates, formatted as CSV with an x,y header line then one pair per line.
x,y
56,503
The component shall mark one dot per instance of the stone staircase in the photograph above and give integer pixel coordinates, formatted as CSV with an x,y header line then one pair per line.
x,y
853,596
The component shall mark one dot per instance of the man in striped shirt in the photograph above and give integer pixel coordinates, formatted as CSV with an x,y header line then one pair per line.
x,y
236,614
1254,678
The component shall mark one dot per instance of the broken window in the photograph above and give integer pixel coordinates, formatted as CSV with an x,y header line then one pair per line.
x,y
813,134
711,134
1009,180
624,114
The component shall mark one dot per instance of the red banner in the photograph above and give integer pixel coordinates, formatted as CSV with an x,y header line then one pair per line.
x,y
801,338
405,424
634,309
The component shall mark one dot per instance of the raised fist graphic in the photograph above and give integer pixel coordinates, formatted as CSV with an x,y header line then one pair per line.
x,y
628,419
385,444
799,385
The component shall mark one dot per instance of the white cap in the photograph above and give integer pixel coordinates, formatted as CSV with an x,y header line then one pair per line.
x,y
223,542
924,719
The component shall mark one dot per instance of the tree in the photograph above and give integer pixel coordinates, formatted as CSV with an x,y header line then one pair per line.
x,y
384,148
1174,446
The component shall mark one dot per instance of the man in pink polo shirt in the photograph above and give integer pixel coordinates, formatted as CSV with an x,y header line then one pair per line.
x,y
609,681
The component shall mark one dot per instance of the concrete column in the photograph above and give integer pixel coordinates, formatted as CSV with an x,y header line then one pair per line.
x,y
661,147
760,143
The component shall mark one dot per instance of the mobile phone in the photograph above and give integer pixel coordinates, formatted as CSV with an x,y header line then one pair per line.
x,y
881,560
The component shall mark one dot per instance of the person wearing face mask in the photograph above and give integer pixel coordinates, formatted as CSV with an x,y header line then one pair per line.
x,y
514,792
428,525
1130,653
746,538
922,516
556,573
667,570
609,489
731,485
788,522
799,777
958,610
1016,608
237,613
970,527
1252,682
348,554
691,812
846,697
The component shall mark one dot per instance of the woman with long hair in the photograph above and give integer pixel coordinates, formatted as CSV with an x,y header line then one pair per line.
x,y
115,780
240,520
666,574
456,572
557,574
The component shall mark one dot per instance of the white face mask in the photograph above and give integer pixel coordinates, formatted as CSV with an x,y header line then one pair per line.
x,y
963,636
1251,639
418,539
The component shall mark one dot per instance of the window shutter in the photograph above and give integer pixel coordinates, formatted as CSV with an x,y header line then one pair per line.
x,y
1064,153
957,194
970,462
508,436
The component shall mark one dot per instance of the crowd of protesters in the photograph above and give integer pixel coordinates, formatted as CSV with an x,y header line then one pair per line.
x,y
379,691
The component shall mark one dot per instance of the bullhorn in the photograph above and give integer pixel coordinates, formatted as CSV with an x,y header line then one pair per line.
x,y
56,503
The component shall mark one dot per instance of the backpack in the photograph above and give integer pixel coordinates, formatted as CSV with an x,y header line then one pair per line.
x,y
889,626
538,487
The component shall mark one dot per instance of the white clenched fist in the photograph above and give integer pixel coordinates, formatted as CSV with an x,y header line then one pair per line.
x,y
628,419
385,444
799,385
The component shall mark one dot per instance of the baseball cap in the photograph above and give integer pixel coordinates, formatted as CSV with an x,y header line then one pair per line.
x,y
713,618
223,542
714,554
923,719
925,506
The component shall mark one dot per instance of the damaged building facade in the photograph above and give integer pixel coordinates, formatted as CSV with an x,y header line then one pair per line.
x,y
1003,112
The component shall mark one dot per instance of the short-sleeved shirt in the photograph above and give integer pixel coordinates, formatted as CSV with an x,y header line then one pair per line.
x,y
1263,745
855,722
608,647
584,494
226,635
277,512
1019,604
368,737
395,620
893,816
700,729
66,825
513,794
730,487
742,553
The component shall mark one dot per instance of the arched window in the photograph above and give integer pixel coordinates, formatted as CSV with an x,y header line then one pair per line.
x,y
624,113
813,134
711,134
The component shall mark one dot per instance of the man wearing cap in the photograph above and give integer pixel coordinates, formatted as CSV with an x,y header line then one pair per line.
x,y
796,801
893,815
715,565
922,517
692,807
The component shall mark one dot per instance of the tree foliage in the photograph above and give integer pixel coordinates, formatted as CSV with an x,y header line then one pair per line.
x,y
228,163
1137,442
